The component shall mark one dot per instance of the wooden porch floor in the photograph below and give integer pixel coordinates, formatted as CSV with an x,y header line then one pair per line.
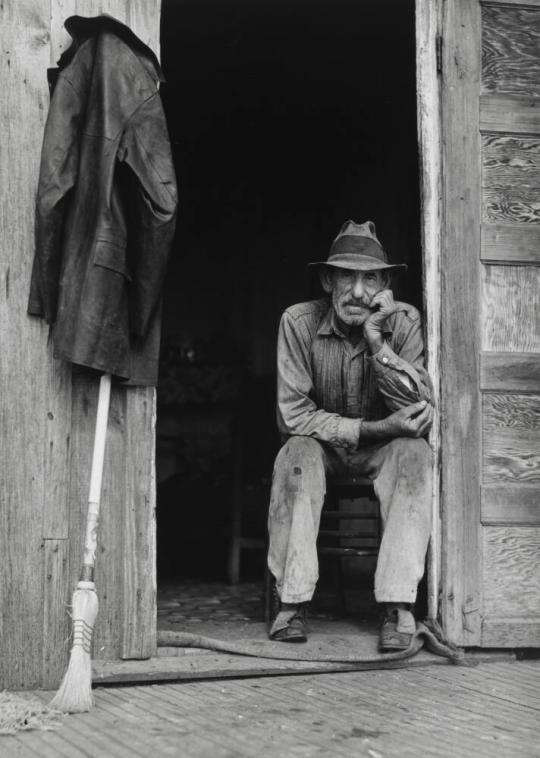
x,y
492,710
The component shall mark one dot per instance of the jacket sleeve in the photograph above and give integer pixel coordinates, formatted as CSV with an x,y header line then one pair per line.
x,y
146,150
58,174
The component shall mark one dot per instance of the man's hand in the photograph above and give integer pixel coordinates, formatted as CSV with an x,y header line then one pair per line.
x,y
413,421
383,305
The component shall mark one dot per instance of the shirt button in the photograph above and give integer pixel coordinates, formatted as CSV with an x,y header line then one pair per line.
x,y
385,359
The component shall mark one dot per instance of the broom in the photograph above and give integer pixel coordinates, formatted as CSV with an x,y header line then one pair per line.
x,y
75,692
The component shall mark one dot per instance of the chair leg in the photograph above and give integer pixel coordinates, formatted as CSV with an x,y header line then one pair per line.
x,y
234,560
271,598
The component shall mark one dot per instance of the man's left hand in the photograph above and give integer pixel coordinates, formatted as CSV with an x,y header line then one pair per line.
x,y
383,305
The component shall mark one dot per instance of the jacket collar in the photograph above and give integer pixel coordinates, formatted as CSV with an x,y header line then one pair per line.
x,y
82,28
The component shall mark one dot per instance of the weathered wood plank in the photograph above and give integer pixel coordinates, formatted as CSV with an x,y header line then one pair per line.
x,y
429,146
509,114
510,159
510,505
56,625
511,179
510,372
511,456
516,631
510,411
521,3
30,384
143,17
503,243
460,406
510,44
139,618
511,439
511,571
511,309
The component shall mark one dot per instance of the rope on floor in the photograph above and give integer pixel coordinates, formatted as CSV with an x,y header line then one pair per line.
x,y
428,634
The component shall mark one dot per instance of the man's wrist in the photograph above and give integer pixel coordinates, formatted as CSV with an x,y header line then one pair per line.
x,y
375,341
372,430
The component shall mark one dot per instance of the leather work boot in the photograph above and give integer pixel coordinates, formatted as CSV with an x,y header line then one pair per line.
x,y
290,624
397,630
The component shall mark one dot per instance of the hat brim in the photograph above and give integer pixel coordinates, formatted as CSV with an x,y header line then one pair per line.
x,y
359,263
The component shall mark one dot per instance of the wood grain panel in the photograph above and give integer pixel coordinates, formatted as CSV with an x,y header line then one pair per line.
x,y
139,612
510,372
143,17
511,439
56,623
519,412
513,505
511,571
509,114
511,179
510,44
502,243
511,308
32,454
511,456
519,631
460,407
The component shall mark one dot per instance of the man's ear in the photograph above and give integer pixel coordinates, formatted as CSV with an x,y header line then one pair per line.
x,y
326,276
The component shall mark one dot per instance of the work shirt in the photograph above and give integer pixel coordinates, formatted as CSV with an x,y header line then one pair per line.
x,y
327,386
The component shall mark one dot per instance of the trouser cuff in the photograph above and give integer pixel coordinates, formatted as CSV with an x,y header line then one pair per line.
x,y
397,594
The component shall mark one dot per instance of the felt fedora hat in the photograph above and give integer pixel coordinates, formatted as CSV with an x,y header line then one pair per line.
x,y
357,247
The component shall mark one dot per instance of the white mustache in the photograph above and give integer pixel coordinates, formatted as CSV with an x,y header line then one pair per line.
x,y
356,304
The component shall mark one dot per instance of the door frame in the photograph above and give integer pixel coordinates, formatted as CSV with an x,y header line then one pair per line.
x,y
428,103
428,24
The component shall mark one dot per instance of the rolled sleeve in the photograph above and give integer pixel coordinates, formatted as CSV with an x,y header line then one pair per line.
x,y
401,376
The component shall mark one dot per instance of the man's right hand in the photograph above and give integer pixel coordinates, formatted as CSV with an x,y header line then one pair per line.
x,y
412,421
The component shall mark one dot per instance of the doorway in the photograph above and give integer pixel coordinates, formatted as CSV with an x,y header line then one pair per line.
x,y
286,119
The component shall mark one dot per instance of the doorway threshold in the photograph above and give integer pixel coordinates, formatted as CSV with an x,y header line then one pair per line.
x,y
189,664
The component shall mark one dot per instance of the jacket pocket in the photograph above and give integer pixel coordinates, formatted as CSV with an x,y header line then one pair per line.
x,y
111,254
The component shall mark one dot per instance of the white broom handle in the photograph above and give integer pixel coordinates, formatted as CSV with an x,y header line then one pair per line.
x,y
96,477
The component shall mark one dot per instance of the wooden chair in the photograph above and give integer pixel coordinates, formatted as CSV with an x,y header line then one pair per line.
x,y
338,540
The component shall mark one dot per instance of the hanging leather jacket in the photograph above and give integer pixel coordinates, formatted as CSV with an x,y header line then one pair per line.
x,y
106,204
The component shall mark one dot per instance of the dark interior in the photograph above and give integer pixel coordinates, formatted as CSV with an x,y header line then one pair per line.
x,y
286,119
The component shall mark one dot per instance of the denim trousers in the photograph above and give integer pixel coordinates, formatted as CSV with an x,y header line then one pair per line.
x,y
401,473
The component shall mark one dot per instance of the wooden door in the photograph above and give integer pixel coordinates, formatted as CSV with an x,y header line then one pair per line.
x,y
48,416
490,333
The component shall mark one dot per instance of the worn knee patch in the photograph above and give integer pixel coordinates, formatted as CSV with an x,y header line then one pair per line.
x,y
299,466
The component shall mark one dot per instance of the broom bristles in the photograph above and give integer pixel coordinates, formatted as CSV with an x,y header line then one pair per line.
x,y
75,692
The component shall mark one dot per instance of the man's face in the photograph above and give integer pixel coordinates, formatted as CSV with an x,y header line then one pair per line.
x,y
352,292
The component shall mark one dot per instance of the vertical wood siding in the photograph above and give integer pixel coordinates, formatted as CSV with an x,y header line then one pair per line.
x,y
48,417
510,294
490,327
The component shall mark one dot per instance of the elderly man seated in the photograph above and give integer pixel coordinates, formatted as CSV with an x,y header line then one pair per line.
x,y
353,398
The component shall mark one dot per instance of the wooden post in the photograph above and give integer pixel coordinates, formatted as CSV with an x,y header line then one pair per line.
x,y
429,143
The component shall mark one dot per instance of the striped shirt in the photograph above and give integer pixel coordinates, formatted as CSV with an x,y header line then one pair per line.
x,y
327,386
